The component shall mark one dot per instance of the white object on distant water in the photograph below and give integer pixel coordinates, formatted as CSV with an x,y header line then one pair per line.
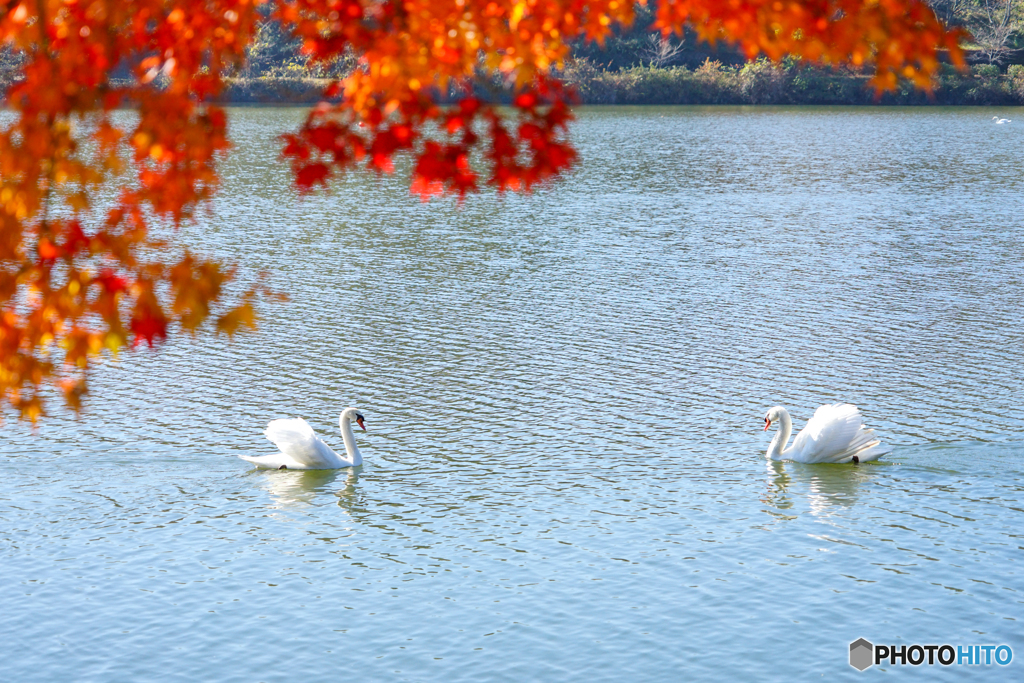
x,y
836,434
999,120
302,449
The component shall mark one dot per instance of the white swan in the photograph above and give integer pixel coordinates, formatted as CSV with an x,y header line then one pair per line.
x,y
999,120
835,434
302,449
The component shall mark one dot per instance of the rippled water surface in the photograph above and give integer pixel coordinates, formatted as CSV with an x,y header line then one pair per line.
x,y
564,475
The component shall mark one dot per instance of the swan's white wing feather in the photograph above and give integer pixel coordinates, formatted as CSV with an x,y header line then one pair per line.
x,y
834,434
296,439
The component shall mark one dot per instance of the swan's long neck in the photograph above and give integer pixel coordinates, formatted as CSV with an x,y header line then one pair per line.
x,y
348,436
778,444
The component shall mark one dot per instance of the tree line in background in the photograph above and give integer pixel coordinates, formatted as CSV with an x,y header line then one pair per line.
x,y
637,65
627,68
996,27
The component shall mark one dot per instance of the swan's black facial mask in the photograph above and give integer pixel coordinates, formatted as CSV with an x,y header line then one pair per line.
x,y
359,421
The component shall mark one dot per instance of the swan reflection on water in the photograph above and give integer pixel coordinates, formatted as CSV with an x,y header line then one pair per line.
x,y
826,487
306,488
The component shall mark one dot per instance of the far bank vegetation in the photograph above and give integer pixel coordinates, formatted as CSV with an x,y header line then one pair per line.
x,y
638,66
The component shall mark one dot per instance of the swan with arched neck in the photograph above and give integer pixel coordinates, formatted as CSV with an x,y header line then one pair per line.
x,y
301,449
835,434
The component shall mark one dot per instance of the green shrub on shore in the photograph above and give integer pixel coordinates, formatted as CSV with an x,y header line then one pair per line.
x,y
766,82
274,90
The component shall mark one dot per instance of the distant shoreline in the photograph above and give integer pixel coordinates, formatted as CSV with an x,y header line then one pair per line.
x,y
755,83
766,83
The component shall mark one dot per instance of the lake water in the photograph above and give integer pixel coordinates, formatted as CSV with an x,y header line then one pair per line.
x,y
565,475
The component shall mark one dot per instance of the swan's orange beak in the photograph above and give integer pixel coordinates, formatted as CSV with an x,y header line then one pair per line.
x,y
767,424
359,421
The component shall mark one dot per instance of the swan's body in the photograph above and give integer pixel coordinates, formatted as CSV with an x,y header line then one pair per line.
x,y
301,449
836,434
999,120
